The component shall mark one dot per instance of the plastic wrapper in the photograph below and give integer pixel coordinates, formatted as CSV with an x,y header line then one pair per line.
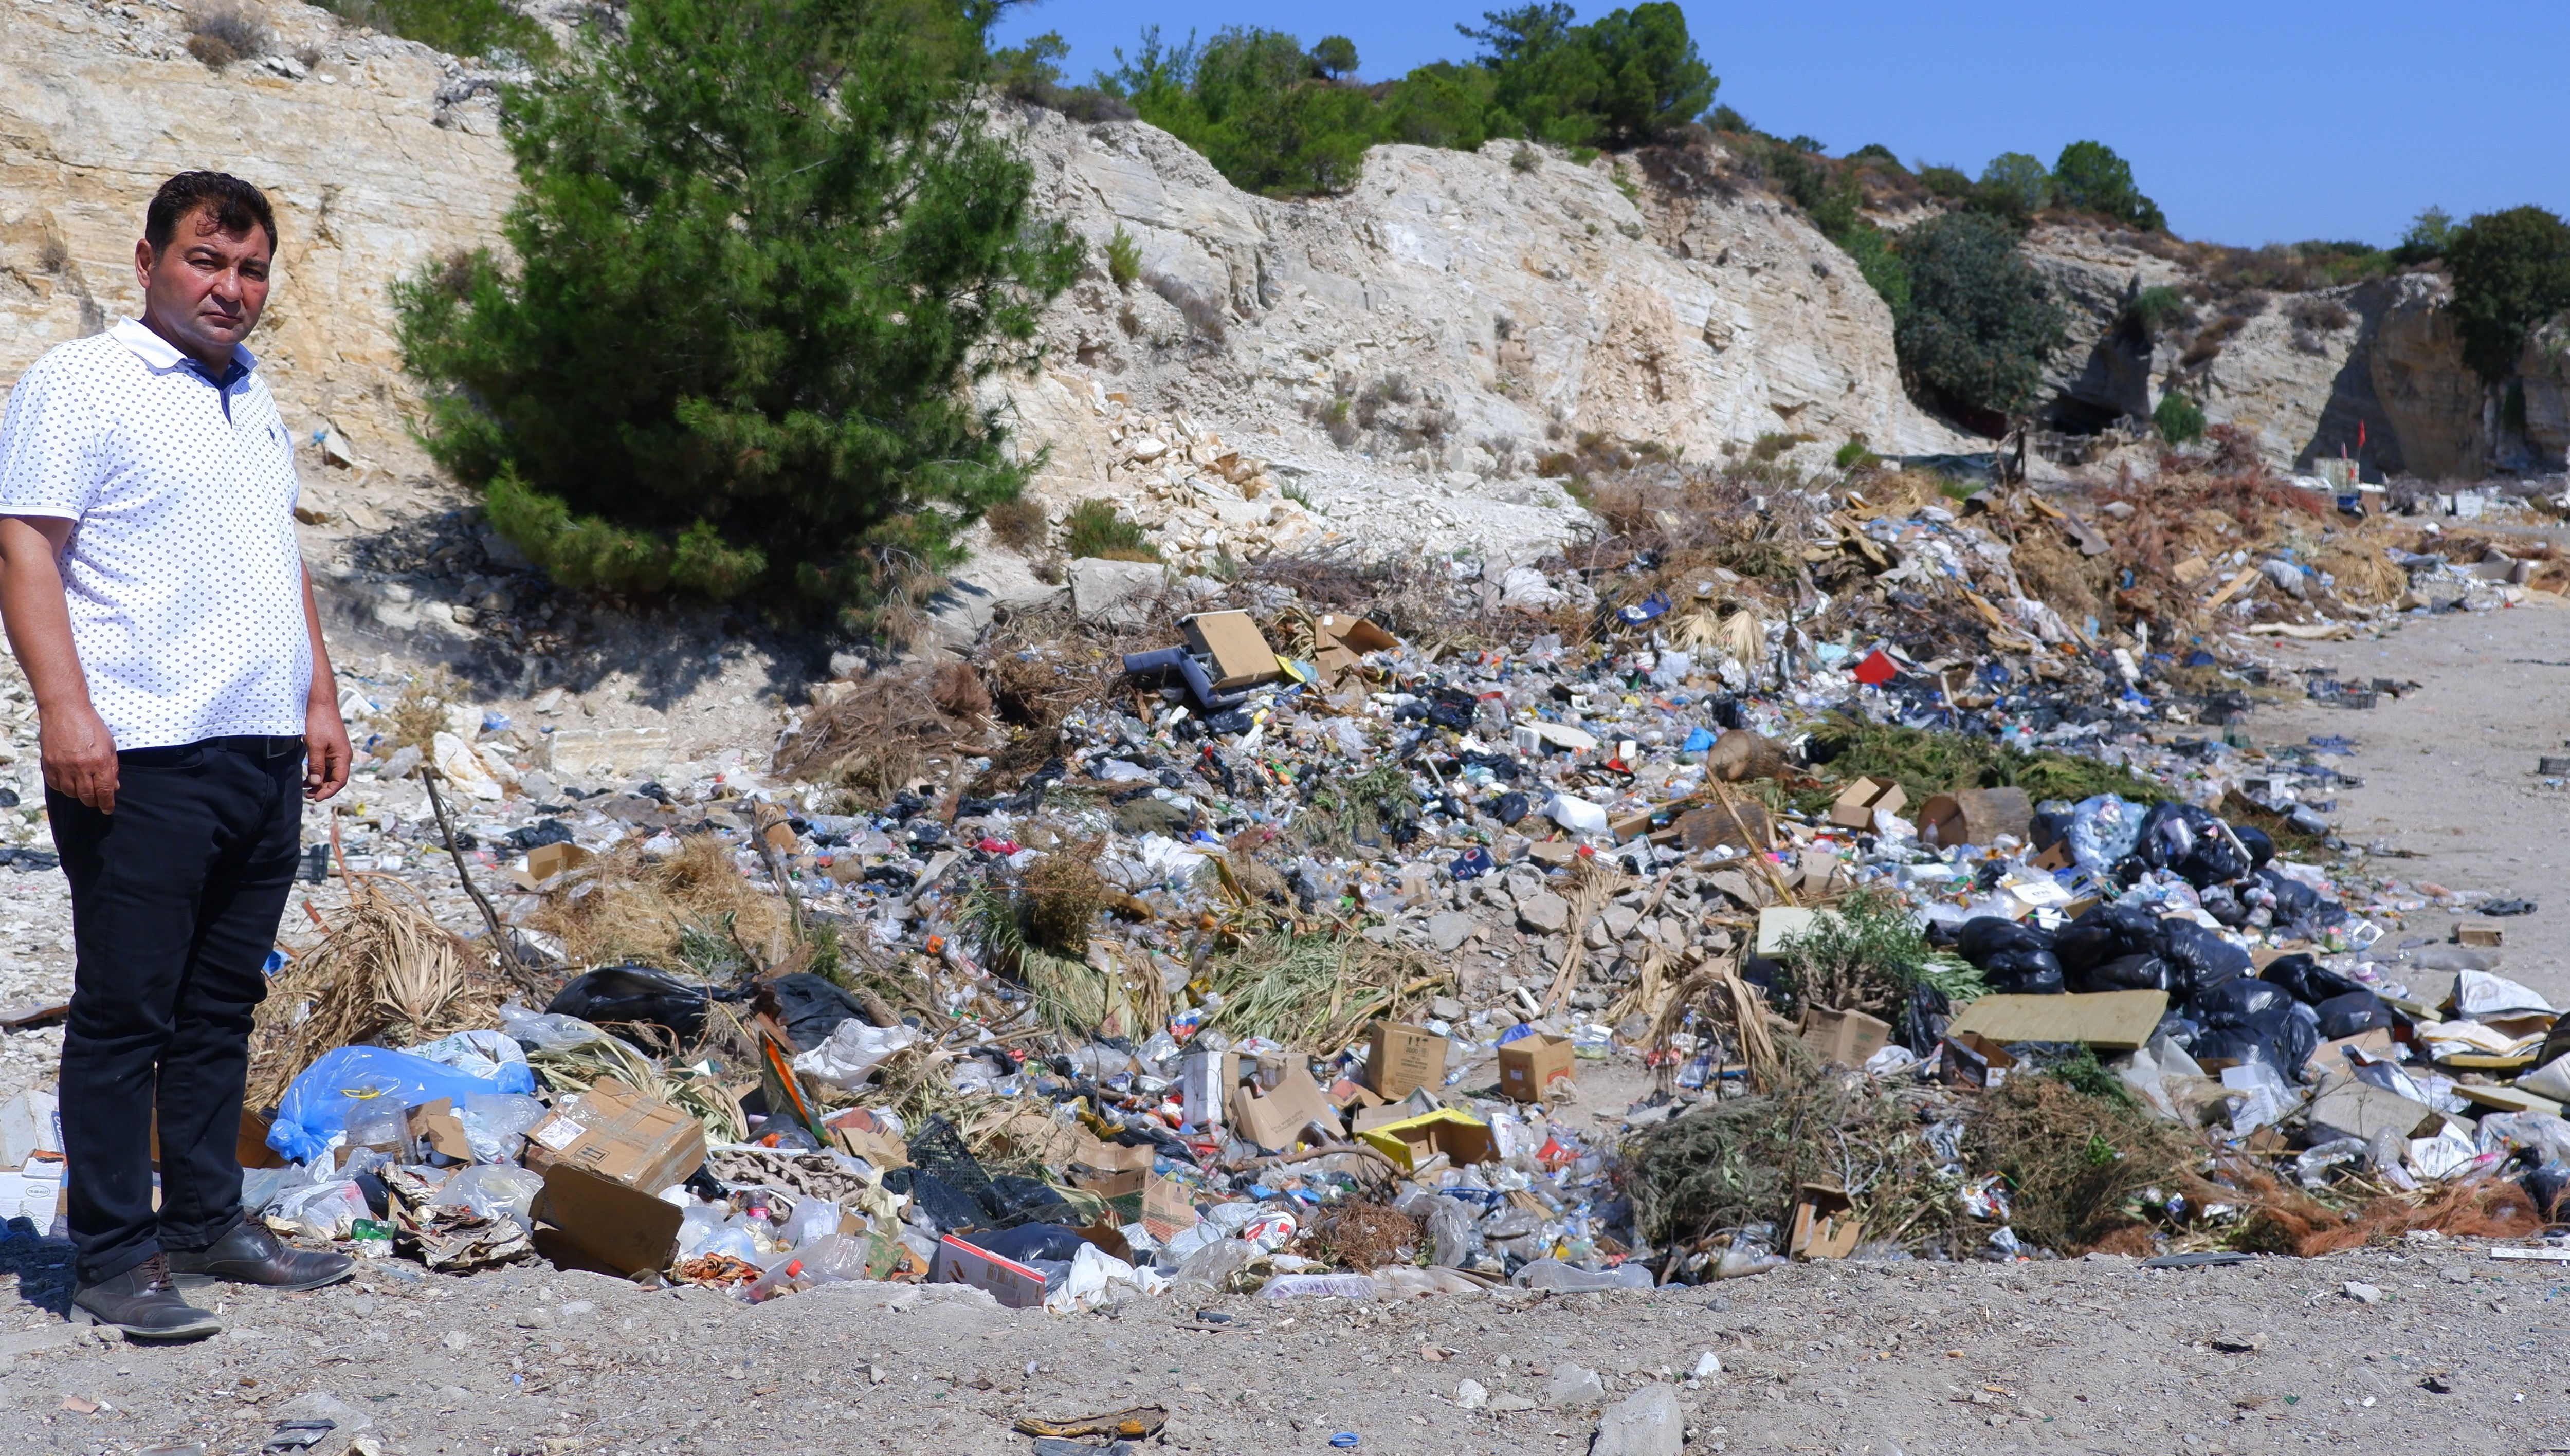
x,y
1319,1287
1216,1265
1453,1240
323,1209
312,1118
496,1124
493,1056
1408,1282
2103,831
813,1008
1098,1279
547,1030
852,1051
488,1190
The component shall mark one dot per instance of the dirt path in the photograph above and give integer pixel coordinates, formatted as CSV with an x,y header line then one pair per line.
x,y
2450,770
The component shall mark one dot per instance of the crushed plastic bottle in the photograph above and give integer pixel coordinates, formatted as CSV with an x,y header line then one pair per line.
x,y
1318,1286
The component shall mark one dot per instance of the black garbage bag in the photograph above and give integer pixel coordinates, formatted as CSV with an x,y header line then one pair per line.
x,y
1029,1241
948,1209
2106,932
1512,806
2180,1028
635,993
1924,1014
2236,1046
2045,829
2307,980
2124,973
810,1008
2024,973
2283,1037
2545,1183
1012,1201
2189,843
2260,847
2352,1015
1984,937
2232,1002
2201,959
2293,898
2219,903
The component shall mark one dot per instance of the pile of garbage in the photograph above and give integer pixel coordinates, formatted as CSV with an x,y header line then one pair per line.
x,y
1799,870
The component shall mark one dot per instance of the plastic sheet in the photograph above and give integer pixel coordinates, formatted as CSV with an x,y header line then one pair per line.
x,y
852,1052
311,1117
494,1056
491,1190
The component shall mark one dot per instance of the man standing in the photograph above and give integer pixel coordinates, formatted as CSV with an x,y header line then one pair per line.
x,y
155,597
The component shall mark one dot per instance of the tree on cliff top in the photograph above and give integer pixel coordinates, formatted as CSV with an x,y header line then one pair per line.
x,y
763,250
2511,271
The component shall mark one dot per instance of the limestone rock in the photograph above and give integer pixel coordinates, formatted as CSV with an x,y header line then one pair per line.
x,y
1573,1385
1648,1422
1118,593
1542,913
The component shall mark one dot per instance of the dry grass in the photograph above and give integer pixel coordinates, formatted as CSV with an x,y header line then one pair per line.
x,y
639,910
1362,1236
1063,894
416,718
386,975
2072,1160
2286,1219
880,736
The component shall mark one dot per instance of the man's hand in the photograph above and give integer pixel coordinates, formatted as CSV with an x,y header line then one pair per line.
x,y
79,755
325,750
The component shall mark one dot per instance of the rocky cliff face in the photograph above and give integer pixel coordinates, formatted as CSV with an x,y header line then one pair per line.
x,y
1402,357
1406,355
371,169
2301,371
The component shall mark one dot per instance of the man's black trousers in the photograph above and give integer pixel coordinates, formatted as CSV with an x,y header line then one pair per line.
x,y
175,903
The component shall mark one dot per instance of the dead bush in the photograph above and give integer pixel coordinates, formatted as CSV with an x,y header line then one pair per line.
x,y
226,35
658,911
1017,525
958,692
1063,894
879,736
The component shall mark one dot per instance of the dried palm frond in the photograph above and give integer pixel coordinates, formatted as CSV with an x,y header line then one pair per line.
x,y
578,1068
386,975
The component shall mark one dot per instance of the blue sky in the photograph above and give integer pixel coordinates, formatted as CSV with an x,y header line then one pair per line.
x,y
2249,122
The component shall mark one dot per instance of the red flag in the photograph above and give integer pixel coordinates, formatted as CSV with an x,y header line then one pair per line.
x,y
2359,434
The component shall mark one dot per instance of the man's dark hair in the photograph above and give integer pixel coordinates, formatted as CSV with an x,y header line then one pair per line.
x,y
236,206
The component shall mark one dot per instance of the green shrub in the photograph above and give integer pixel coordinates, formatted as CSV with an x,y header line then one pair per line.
x,y
2013,185
2178,419
1335,57
2155,308
2089,177
734,350
457,27
1123,257
2511,270
2428,234
1854,455
1095,528
1980,321
1948,182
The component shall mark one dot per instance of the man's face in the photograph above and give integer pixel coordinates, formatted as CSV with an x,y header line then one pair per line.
x,y
204,291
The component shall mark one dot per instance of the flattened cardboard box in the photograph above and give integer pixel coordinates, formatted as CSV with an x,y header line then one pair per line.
x,y
1168,1208
1529,1064
599,1223
1400,1058
2106,1021
1241,657
620,1134
1278,1117
1858,802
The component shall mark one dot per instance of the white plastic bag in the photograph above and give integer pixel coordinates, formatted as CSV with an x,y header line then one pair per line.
x,y
493,1190
496,1124
322,1210
545,1030
476,1054
1098,1279
850,1053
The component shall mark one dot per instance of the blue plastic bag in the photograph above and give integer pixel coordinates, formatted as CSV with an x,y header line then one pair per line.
x,y
314,1110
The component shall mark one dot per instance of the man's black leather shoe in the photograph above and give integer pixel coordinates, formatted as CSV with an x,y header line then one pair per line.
x,y
144,1305
249,1254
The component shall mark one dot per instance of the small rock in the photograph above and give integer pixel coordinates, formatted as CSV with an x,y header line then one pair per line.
x,y
1573,1385
1446,1008
1542,913
535,1319
1707,1365
1509,1400
1647,1422
572,1310
1471,1395
1117,594
2362,1293
1448,931
456,1339
1620,922
2458,1273
322,1406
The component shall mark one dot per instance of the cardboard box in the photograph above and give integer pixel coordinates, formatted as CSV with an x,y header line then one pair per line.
x,y
2354,1109
2480,933
1340,639
1400,1058
1779,924
1529,1064
596,1223
544,861
1858,801
1011,1283
1281,1116
250,1148
1168,1207
1843,1038
2106,1021
1108,1186
860,1133
1825,1225
1205,1080
618,1134
1241,657
1413,1141
1974,1060
433,1126
1975,816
